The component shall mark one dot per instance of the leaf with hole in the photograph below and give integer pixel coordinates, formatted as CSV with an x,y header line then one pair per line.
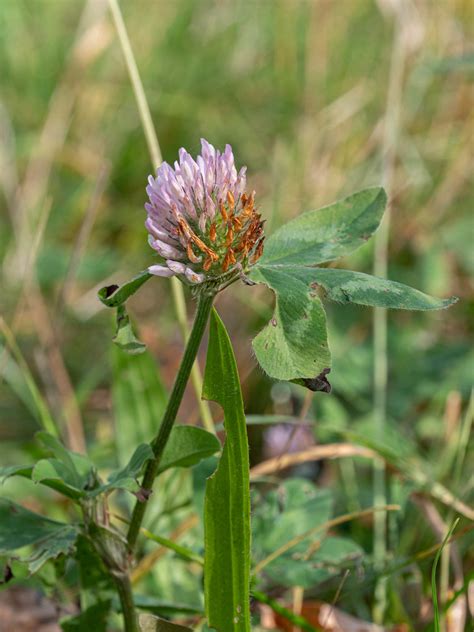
x,y
115,295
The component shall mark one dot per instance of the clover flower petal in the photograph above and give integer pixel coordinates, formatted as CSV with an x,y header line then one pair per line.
x,y
200,219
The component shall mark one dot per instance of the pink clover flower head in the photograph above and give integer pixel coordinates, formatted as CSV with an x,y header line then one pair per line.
x,y
200,218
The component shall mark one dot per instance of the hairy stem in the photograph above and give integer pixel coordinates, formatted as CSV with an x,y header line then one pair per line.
x,y
124,589
159,442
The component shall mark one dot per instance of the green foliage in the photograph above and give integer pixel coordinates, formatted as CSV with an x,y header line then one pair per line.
x,y
187,446
326,233
345,286
75,476
227,500
20,527
126,478
114,295
321,138
125,337
94,617
139,399
293,346
294,343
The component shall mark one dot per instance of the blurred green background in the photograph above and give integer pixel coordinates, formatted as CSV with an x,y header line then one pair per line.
x,y
319,98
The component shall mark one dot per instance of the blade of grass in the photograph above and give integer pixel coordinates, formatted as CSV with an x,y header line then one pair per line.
x,y
45,417
380,268
156,158
181,551
295,619
434,591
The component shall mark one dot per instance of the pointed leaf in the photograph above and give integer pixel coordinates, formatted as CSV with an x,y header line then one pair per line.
x,y
78,466
47,474
54,474
227,501
294,343
327,233
127,477
187,446
346,286
115,295
15,470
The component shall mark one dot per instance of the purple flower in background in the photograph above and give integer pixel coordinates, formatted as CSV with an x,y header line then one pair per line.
x,y
200,219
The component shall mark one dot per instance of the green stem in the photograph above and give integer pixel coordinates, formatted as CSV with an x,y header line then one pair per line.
x,y
159,442
124,589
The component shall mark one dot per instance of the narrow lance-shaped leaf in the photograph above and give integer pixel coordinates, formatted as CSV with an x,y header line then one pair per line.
x,y
227,500
327,233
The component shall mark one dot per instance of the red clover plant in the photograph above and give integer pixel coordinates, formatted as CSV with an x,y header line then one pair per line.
x,y
204,225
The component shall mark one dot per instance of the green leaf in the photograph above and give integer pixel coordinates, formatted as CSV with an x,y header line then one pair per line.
x,y
20,527
49,472
115,295
124,336
93,575
293,346
331,559
93,618
187,446
294,343
346,286
150,623
289,511
327,233
15,470
77,466
127,477
54,474
227,501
